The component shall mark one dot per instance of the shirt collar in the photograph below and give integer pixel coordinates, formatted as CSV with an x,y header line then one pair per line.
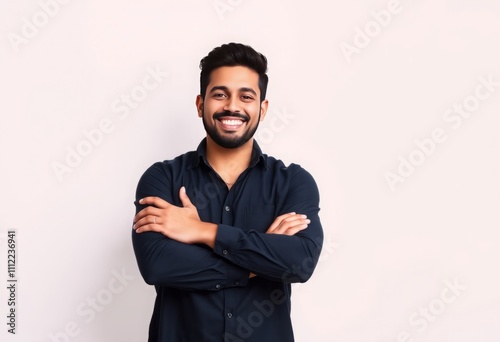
x,y
201,155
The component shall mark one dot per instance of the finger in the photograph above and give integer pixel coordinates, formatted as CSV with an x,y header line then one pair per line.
x,y
292,225
186,202
146,212
295,229
277,221
288,222
148,227
155,201
291,229
149,220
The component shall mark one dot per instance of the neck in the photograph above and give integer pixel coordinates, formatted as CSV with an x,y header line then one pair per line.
x,y
229,162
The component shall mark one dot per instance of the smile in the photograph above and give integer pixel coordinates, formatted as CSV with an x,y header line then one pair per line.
x,y
231,122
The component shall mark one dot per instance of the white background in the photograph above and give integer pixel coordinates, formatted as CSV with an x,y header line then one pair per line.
x,y
390,253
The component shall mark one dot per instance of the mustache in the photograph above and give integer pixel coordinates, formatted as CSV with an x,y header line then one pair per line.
x,y
226,113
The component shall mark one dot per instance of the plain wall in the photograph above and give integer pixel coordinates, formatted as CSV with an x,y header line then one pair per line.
x,y
393,106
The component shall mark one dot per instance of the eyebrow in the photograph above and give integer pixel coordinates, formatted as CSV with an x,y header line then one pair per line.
x,y
226,89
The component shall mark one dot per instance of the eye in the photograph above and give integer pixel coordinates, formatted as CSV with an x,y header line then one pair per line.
x,y
247,97
218,95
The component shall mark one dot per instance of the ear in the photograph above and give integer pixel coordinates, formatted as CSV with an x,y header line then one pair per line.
x,y
199,105
263,109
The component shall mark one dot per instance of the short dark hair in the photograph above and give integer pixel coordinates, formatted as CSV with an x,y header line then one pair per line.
x,y
234,54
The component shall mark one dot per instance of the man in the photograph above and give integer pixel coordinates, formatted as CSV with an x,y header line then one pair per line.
x,y
222,232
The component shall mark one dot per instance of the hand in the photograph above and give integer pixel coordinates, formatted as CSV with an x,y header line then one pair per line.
x,y
178,223
288,224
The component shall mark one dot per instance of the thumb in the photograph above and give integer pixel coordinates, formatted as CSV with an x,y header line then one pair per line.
x,y
186,202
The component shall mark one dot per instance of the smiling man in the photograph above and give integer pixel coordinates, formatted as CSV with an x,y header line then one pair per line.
x,y
223,231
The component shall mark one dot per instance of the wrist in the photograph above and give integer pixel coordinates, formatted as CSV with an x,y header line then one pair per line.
x,y
208,233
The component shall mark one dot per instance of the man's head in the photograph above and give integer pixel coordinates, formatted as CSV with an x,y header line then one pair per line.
x,y
233,84
234,54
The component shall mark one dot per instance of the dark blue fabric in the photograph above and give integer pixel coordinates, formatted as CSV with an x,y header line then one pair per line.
x,y
205,294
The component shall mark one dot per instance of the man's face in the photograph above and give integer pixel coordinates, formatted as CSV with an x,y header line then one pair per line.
x,y
231,110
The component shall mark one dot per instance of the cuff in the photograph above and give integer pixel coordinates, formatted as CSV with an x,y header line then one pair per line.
x,y
226,242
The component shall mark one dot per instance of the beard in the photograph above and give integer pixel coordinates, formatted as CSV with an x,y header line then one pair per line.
x,y
229,140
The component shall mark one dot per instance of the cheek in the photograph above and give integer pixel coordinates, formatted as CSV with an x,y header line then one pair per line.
x,y
213,107
253,110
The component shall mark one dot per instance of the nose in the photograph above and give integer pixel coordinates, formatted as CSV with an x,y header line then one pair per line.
x,y
232,105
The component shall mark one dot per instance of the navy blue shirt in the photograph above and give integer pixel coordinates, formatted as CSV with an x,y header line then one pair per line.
x,y
205,294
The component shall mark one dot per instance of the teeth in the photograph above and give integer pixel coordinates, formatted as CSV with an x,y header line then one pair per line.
x,y
232,122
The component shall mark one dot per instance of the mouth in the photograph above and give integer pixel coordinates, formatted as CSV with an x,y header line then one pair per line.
x,y
229,123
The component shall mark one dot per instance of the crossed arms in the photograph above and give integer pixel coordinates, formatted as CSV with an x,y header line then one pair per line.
x,y
175,248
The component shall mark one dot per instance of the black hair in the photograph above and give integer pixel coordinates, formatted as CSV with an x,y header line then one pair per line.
x,y
234,54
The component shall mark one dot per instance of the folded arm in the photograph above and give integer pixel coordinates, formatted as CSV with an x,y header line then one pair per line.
x,y
286,252
279,256
166,262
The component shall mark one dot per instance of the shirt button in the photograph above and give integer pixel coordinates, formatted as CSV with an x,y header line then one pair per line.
x,y
224,252
227,208
229,315
217,286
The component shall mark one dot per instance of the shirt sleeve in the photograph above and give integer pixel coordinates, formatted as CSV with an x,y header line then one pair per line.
x,y
273,256
166,262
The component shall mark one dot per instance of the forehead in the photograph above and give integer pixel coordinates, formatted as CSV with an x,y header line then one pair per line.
x,y
234,77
